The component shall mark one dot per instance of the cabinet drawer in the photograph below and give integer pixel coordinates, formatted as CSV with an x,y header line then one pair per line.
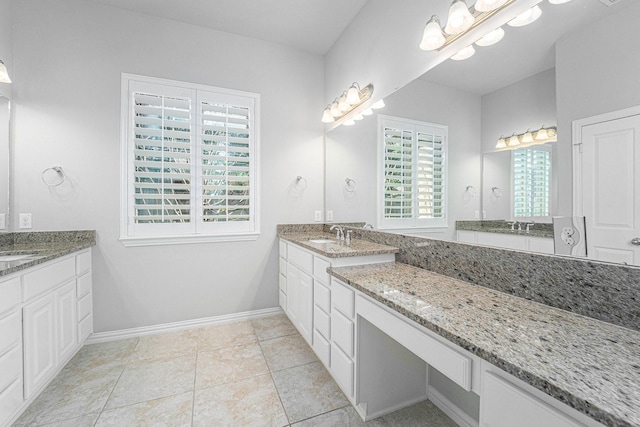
x,y
85,306
47,278
9,294
342,332
342,370
84,285
503,404
10,332
83,263
85,328
10,401
300,258
283,266
320,270
322,297
283,249
282,299
322,322
342,298
322,347
282,283
10,367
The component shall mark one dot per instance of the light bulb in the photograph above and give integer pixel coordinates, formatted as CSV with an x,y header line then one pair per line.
x,y
335,109
358,116
432,38
501,142
491,38
327,117
460,19
542,134
353,94
367,112
527,137
349,123
378,104
488,5
526,17
343,104
465,53
513,141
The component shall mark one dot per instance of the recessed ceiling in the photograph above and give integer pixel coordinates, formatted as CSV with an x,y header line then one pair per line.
x,y
524,51
310,25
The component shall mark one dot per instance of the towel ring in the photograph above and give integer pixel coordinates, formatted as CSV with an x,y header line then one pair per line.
x,y
496,192
53,176
350,185
470,190
300,183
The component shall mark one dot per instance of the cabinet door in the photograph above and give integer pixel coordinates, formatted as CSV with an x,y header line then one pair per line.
x,y
39,343
66,318
300,300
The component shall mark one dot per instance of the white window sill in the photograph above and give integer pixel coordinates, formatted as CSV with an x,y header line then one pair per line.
x,y
187,240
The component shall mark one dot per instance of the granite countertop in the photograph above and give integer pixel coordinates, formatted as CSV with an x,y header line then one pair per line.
x,y
590,365
538,229
336,248
41,247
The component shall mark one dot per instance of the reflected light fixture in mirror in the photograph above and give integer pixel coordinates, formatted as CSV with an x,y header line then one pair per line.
x,y
4,74
540,136
526,17
501,142
465,53
513,141
346,102
491,38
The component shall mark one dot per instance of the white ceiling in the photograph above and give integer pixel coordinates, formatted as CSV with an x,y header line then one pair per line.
x,y
310,25
315,25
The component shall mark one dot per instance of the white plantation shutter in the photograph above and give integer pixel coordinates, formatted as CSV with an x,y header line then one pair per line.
x,y
531,182
413,173
190,160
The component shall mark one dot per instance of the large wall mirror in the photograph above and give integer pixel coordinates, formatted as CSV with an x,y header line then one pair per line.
x,y
531,78
5,114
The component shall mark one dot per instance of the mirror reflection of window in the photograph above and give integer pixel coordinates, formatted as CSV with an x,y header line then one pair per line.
x,y
531,182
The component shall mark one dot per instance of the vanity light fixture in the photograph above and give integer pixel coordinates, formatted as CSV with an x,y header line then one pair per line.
x,y
367,112
346,102
526,17
460,19
491,38
559,1
432,38
378,104
465,53
539,136
4,74
488,5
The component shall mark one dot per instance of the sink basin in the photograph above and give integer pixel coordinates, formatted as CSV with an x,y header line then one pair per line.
x,y
322,241
7,258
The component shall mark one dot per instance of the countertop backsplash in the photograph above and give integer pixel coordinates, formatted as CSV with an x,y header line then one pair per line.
x,y
603,291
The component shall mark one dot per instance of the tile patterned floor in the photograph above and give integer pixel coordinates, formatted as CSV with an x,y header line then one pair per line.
x,y
257,373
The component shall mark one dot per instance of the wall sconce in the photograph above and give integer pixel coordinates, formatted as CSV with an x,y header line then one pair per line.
x,y
347,102
4,74
539,136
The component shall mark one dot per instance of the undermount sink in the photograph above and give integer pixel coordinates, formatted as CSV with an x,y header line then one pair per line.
x,y
7,258
322,241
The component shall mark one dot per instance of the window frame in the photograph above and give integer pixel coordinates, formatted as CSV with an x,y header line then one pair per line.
x,y
543,218
414,223
194,232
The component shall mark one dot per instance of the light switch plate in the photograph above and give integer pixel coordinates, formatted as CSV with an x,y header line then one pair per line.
x,y
329,215
317,216
25,220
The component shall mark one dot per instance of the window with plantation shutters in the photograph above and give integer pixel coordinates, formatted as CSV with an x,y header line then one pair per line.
x,y
413,173
531,182
189,160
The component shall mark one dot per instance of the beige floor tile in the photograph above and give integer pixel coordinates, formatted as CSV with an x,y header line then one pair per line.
x,y
287,352
84,421
143,381
307,391
229,364
250,402
173,411
72,395
421,414
343,417
273,327
167,345
107,355
225,335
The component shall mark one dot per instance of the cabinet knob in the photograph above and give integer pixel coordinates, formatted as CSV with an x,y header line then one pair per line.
x,y
635,241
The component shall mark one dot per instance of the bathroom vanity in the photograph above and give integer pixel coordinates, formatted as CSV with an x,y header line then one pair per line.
x,y
391,335
46,311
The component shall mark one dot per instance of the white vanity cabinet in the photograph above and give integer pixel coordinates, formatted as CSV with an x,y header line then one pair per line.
x,y
46,313
343,337
521,242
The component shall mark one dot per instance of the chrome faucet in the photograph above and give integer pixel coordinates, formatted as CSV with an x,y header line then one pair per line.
x,y
339,233
367,226
529,225
513,224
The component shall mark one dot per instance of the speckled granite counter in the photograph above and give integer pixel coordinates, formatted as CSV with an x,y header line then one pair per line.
x,y
538,229
590,365
335,248
41,247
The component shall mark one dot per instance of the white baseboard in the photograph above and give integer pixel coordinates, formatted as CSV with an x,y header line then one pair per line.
x,y
448,407
99,337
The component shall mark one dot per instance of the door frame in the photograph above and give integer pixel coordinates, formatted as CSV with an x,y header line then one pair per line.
x,y
576,140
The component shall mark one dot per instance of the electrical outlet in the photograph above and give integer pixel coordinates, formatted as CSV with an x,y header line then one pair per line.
x,y
3,221
329,215
317,216
25,220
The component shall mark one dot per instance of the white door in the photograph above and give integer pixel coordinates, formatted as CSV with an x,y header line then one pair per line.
x,y
609,188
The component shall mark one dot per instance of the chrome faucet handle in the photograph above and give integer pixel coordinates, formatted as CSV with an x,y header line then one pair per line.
x,y
348,237
512,224
367,226
529,225
519,227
